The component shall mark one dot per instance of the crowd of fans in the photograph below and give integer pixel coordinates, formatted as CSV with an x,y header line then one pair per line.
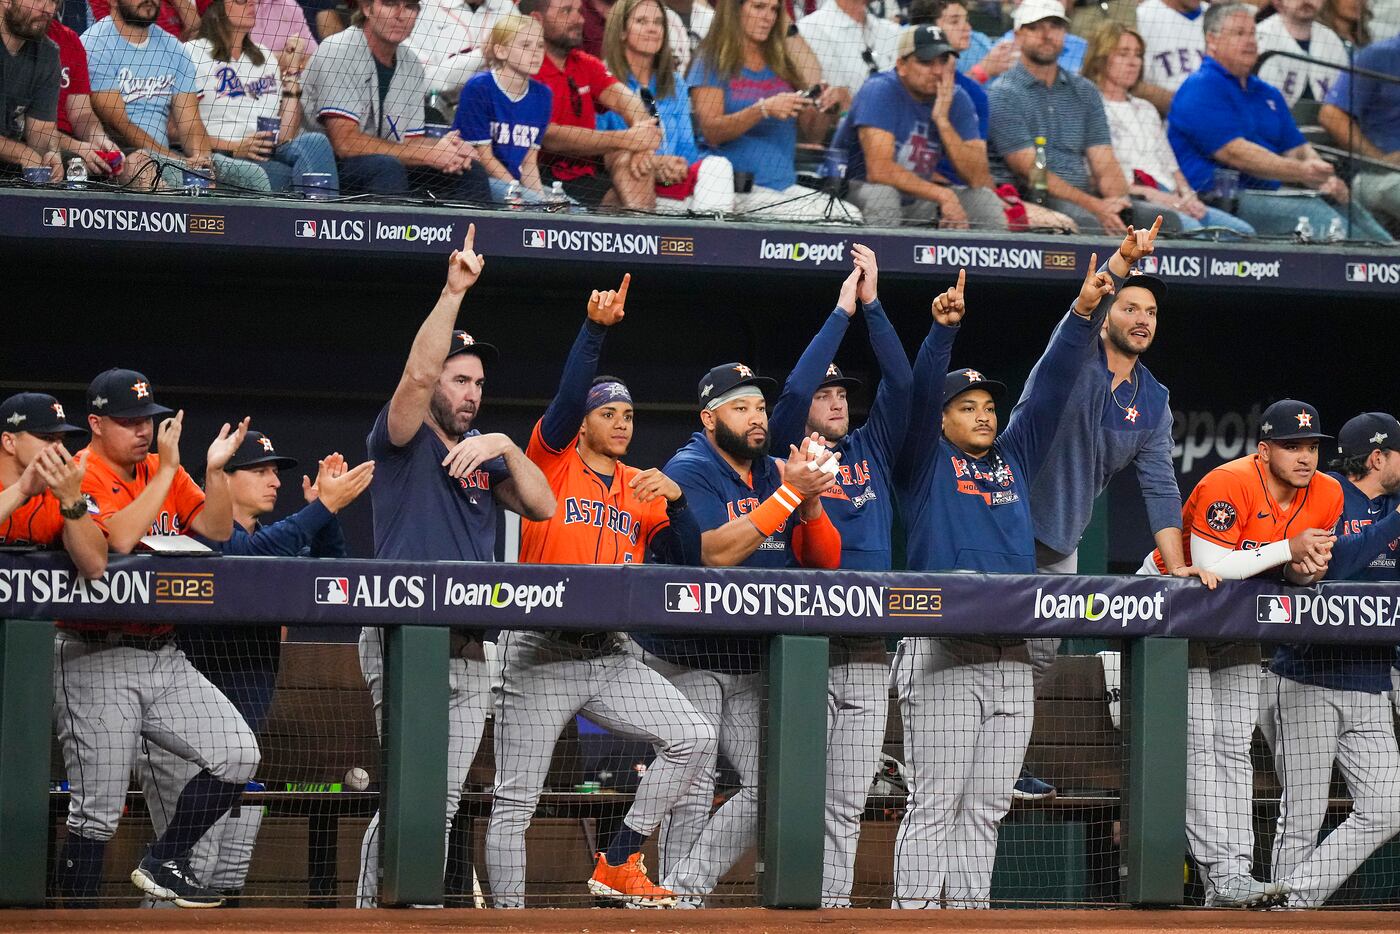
x,y
1088,118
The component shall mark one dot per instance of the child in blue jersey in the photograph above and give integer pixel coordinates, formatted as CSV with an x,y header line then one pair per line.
x,y
1330,700
503,112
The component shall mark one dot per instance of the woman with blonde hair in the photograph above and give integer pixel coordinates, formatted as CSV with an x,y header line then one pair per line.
x,y
503,112
750,102
1114,63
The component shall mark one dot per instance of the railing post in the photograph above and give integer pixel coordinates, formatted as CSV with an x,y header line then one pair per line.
x,y
414,799
26,729
794,775
1154,813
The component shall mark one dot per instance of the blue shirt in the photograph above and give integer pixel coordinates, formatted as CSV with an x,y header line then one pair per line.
x,y
673,112
972,514
1368,543
884,103
148,76
1374,104
486,114
422,513
978,96
766,150
1211,108
861,506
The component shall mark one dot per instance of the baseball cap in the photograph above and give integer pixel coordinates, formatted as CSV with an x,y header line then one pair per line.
x,y
123,394
960,381
1290,420
925,41
1033,11
729,376
1363,434
462,342
1156,286
36,413
255,451
834,377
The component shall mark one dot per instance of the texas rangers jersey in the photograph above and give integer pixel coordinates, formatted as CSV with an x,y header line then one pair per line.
x,y
1233,508
1176,44
36,522
1291,76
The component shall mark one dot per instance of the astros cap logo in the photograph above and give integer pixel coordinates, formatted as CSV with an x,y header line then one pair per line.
x,y
973,376
743,371
831,370
142,390
266,442
1304,420
58,410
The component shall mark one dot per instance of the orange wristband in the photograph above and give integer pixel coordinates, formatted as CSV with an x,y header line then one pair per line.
x,y
774,510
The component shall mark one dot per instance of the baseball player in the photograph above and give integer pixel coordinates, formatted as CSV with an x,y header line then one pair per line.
x,y
438,483
242,661
861,506
1118,416
1331,702
966,704
753,511
119,684
1251,516
608,513
41,485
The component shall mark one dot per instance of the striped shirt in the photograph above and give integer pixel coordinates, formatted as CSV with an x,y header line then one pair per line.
x,y
1068,113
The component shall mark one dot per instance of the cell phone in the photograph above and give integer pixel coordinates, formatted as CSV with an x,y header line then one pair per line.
x,y
812,93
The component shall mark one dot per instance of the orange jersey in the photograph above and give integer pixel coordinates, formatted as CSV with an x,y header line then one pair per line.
x,y
1232,507
593,523
36,522
112,492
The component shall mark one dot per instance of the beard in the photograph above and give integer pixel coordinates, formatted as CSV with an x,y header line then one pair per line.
x,y
1042,56
1120,339
131,12
28,29
1290,479
831,434
453,423
736,446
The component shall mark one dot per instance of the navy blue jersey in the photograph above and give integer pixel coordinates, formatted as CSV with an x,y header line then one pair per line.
x,y
1368,542
968,513
421,512
716,495
861,506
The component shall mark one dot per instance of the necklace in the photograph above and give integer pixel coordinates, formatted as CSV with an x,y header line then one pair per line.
x,y
1130,413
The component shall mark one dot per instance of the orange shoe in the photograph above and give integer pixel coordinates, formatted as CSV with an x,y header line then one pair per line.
x,y
629,884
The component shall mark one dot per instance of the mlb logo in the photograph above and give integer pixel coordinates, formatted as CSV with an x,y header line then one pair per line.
x,y
55,217
682,598
1274,609
1356,272
534,239
333,591
923,254
1150,265
306,229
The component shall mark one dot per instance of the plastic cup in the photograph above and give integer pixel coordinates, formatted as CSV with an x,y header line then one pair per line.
x,y
38,175
1227,188
271,125
316,185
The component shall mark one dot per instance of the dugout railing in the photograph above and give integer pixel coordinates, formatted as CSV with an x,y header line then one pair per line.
x,y
1153,618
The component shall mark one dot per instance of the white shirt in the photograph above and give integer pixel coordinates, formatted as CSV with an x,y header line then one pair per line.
x,y
1385,19
1139,141
839,43
1175,45
448,37
233,95
1291,76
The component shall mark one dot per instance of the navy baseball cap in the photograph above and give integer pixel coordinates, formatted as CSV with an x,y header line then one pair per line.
x,y
729,376
1290,420
255,451
1142,280
36,413
123,394
1370,431
834,377
925,42
462,342
960,381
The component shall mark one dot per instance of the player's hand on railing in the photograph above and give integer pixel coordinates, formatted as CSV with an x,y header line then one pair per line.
x,y
1095,286
1209,578
168,442
338,487
1136,244
470,453
949,308
464,266
1313,546
864,258
652,483
226,445
811,467
609,307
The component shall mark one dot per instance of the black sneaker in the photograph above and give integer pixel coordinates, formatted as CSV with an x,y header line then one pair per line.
x,y
1030,788
172,881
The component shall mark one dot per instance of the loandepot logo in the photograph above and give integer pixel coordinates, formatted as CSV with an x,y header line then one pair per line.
x,y
1241,269
814,253
1096,606
1367,611
503,595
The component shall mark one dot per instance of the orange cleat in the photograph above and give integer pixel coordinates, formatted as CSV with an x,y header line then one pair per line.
x,y
629,884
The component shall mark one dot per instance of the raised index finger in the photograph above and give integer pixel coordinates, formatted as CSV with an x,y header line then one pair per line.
x,y
962,279
1156,226
471,238
622,289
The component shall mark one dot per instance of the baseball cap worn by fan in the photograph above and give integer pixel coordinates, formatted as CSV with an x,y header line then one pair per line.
x,y
121,393
730,376
834,377
255,451
462,342
925,42
1290,420
960,381
1370,431
37,413
1033,11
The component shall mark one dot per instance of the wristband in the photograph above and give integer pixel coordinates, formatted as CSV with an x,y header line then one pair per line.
x,y
774,510
763,107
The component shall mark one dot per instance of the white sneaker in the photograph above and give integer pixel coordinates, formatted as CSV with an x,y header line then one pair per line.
x,y
1245,892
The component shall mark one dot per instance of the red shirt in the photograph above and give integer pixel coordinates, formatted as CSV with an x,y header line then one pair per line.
x,y
169,19
73,70
36,522
576,92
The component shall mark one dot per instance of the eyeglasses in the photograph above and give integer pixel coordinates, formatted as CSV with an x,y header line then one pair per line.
x,y
649,99
868,57
575,98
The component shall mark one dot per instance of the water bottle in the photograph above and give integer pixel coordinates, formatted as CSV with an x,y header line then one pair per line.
x,y
76,176
558,200
1039,182
1336,231
514,200
1303,232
